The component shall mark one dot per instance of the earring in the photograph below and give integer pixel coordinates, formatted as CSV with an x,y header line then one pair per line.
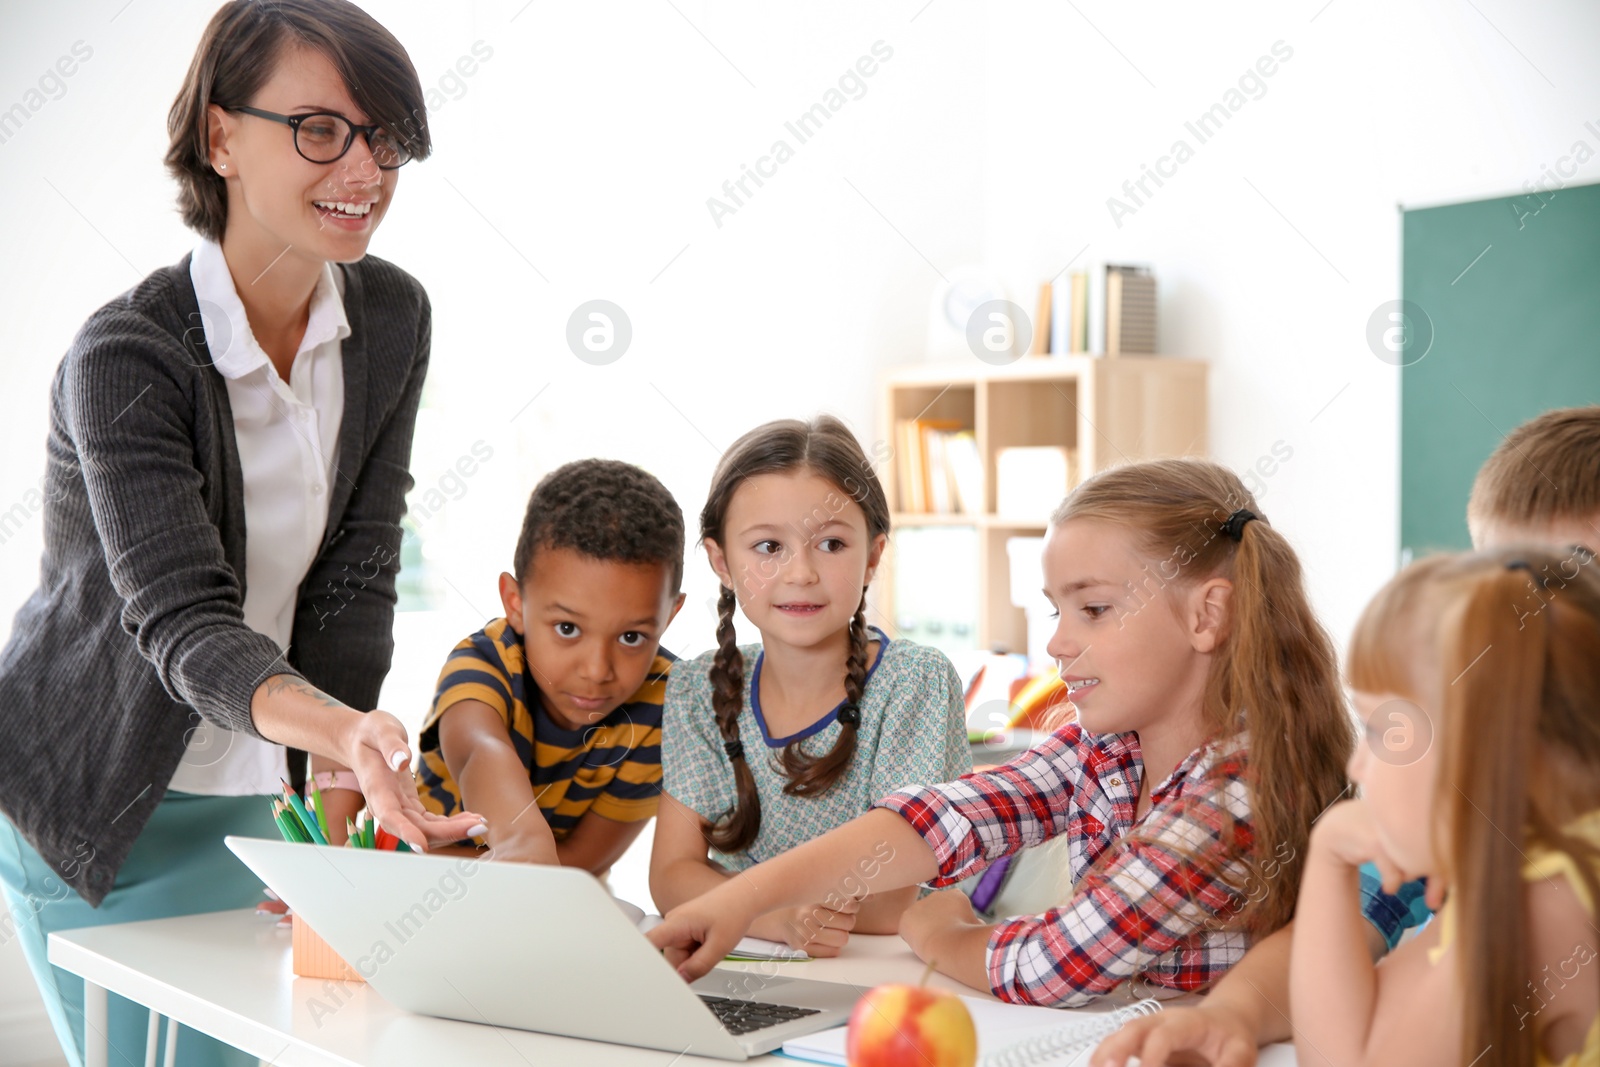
x,y
221,167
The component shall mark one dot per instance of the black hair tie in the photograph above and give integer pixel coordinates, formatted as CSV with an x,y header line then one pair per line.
x,y
1234,527
850,715
734,749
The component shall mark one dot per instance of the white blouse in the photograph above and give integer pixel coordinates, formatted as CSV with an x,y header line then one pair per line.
x,y
288,439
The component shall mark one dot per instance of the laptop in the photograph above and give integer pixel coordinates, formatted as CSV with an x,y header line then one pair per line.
x,y
533,948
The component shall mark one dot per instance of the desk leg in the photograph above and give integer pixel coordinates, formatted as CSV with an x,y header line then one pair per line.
x,y
172,1042
152,1039
96,1029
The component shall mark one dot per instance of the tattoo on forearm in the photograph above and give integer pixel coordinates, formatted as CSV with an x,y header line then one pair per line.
x,y
287,683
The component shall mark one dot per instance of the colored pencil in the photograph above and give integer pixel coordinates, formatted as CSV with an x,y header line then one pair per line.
x,y
288,825
306,819
298,821
286,822
392,842
322,816
277,820
298,824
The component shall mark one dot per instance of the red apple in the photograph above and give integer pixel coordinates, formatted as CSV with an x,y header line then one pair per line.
x,y
911,1026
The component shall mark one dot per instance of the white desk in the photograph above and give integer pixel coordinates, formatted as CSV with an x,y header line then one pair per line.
x,y
227,974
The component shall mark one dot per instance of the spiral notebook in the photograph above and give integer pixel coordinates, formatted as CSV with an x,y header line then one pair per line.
x,y
1009,1035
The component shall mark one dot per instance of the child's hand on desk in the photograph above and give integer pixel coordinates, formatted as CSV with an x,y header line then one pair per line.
x,y
379,752
935,914
1214,1034
819,930
945,933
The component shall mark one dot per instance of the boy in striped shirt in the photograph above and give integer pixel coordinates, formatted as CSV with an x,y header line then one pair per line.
x,y
548,720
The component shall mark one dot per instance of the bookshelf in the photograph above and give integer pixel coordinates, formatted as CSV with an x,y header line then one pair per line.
x,y
1107,411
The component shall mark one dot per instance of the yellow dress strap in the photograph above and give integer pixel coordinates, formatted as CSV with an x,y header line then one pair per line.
x,y
1549,863
1446,918
1542,863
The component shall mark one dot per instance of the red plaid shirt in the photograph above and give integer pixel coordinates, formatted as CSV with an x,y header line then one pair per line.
x,y
1149,911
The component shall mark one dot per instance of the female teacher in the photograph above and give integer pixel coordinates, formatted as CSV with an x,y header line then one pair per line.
x,y
226,476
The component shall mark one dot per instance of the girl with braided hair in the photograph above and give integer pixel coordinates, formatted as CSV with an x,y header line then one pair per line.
x,y
766,746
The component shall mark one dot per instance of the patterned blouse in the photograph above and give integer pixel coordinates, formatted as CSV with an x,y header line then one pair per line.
x,y
913,731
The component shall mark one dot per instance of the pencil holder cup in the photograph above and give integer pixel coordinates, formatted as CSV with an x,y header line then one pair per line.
x,y
313,957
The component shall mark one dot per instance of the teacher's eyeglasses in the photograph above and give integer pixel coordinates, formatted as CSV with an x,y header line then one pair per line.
x,y
323,137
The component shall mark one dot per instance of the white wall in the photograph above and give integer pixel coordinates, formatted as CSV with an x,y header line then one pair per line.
x,y
1277,239
594,135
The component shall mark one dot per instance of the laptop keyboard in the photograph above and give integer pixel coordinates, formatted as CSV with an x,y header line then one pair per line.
x,y
746,1016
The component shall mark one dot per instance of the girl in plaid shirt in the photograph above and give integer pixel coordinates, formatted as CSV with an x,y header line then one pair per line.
x,y
1210,732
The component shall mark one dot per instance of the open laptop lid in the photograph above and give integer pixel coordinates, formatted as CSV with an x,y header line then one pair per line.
x,y
530,947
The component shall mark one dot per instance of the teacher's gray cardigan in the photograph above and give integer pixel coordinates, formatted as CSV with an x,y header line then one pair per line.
x,y
137,627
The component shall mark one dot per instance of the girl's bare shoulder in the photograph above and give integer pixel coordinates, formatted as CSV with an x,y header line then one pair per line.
x,y
1417,1017
1563,972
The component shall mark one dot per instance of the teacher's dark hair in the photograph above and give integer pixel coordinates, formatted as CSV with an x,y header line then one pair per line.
x,y
237,55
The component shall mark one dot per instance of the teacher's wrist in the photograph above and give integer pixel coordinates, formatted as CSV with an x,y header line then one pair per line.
x,y
290,711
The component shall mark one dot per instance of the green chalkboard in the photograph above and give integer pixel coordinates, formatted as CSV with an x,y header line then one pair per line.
x,y
1500,321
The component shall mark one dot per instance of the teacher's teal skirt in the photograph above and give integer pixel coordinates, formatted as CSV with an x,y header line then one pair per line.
x,y
178,866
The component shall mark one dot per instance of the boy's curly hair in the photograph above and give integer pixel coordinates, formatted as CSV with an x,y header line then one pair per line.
x,y
607,510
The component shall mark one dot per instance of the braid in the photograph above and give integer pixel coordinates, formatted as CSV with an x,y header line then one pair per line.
x,y
808,776
855,669
736,831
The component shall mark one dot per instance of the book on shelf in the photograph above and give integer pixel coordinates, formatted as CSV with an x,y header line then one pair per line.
x,y
965,470
1060,313
909,464
1041,322
1079,312
937,467
1106,309
1130,311
1078,337
1095,315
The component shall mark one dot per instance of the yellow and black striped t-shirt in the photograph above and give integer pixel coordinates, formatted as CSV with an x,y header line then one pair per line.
x,y
612,767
